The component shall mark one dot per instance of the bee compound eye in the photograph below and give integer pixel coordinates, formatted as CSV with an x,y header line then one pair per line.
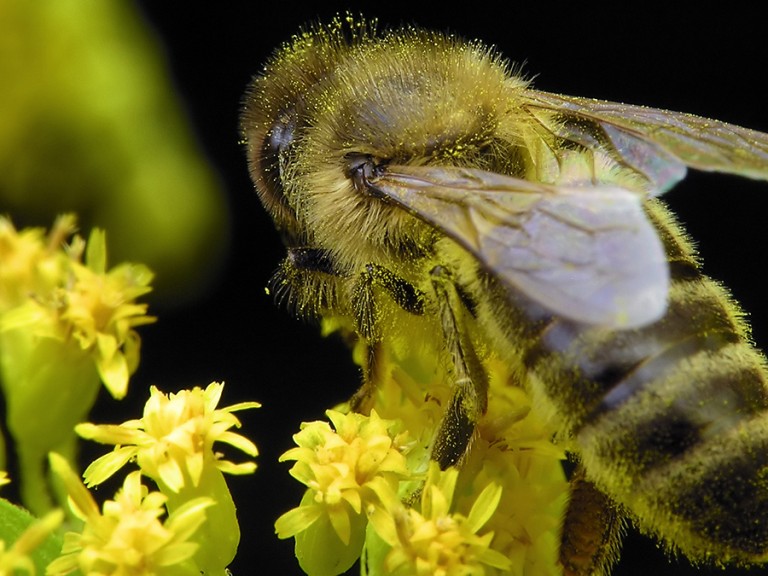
x,y
280,136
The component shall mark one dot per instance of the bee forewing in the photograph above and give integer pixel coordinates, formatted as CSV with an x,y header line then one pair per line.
x,y
587,253
651,140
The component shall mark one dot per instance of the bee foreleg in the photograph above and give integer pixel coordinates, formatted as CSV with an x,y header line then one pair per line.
x,y
368,318
470,393
310,259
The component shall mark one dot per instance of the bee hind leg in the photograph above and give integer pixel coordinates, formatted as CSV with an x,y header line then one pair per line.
x,y
592,530
470,384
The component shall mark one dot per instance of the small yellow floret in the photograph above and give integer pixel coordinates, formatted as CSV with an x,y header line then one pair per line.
x,y
431,539
47,290
352,470
128,536
174,440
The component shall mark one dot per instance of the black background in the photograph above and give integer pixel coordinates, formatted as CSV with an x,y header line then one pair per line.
x,y
710,63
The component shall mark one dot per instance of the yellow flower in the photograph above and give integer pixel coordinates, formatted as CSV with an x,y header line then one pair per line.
x,y
16,558
434,540
102,314
173,445
33,265
511,451
174,440
345,469
64,326
500,513
128,537
351,473
48,292
514,449
528,517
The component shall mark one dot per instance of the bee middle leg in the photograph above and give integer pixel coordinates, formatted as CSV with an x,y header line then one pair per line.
x,y
470,383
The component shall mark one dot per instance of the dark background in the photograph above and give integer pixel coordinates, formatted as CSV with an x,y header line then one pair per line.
x,y
713,64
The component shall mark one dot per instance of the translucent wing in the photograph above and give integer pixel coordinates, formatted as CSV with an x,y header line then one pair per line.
x,y
655,143
587,253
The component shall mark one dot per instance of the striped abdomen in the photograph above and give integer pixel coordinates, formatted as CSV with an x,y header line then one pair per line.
x,y
671,420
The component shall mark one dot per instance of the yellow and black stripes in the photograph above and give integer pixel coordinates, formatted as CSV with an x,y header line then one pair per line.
x,y
671,419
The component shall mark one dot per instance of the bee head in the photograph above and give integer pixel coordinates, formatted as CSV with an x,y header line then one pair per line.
x,y
340,93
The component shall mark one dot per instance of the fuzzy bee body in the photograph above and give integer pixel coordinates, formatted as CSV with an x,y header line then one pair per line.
x,y
667,417
414,172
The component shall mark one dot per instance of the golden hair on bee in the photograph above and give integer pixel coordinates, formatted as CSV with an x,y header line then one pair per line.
x,y
419,181
407,95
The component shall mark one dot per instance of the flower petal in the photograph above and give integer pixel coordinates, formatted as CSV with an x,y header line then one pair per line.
x,y
104,467
296,520
484,507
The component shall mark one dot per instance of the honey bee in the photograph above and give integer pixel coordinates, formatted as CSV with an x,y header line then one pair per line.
x,y
416,168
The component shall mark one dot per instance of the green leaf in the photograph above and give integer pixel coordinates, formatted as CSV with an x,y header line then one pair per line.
x,y
15,520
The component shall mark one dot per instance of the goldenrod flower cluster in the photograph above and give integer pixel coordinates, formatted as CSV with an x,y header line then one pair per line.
x,y
128,537
173,441
352,473
49,292
67,322
429,538
372,489
173,444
